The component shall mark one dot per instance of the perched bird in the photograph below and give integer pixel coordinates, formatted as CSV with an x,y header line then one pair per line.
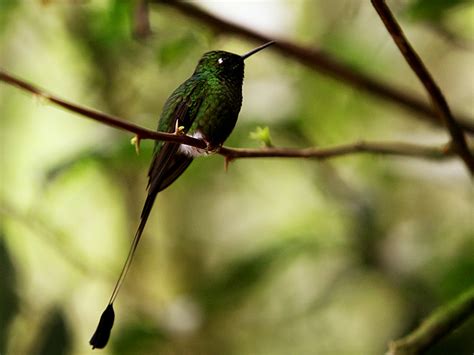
x,y
205,106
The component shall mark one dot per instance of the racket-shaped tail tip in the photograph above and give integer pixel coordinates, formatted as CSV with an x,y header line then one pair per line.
x,y
102,333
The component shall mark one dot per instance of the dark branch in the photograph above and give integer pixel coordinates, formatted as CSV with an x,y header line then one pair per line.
x,y
320,61
439,324
401,149
142,133
382,148
437,98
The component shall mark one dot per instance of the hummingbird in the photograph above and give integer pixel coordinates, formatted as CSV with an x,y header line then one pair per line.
x,y
206,106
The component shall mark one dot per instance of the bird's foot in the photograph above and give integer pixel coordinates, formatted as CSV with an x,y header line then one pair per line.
x,y
211,148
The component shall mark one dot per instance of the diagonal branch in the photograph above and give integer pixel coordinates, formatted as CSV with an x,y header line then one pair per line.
x,y
320,61
437,98
106,119
383,148
439,324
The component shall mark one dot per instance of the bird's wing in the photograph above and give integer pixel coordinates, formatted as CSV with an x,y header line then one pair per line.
x,y
167,165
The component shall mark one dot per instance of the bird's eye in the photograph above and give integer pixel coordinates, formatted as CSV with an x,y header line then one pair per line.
x,y
220,60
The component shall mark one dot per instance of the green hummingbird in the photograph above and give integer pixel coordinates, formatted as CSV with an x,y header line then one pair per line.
x,y
205,106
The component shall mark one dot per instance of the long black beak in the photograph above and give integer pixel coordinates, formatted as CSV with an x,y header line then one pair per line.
x,y
258,49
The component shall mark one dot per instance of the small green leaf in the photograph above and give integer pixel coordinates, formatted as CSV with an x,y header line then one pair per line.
x,y
262,135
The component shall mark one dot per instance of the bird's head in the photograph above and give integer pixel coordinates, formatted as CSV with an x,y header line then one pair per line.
x,y
221,64
225,64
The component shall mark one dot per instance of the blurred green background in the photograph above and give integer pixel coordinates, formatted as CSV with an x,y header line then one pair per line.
x,y
275,256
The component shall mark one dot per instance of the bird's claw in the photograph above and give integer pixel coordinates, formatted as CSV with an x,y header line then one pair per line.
x,y
210,148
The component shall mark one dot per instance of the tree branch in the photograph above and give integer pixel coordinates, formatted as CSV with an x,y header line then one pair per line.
x,y
437,98
439,324
320,61
142,133
384,148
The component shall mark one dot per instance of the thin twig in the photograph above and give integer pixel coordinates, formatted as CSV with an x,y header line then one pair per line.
x,y
321,61
439,324
142,133
437,98
383,148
